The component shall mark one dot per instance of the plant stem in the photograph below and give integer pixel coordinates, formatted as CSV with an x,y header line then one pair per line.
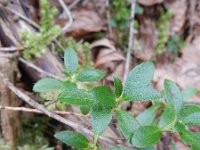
x,y
119,100
131,40
96,136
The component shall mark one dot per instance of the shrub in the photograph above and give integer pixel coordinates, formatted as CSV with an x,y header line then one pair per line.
x,y
101,102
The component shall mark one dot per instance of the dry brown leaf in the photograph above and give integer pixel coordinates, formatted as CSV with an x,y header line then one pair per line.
x,y
107,55
150,2
108,58
85,21
179,15
103,43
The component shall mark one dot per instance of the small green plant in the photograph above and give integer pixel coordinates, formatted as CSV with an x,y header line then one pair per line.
x,y
120,20
101,102
163,25
35,44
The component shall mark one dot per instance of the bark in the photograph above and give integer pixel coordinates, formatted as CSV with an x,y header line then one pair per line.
x,y
10,122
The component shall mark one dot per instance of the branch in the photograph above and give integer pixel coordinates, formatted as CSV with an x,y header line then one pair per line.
x,y
42,72
34,24
108,18
23,17
25,109
50,114
73,4
193,4
65,8
131,40
11,49
10,56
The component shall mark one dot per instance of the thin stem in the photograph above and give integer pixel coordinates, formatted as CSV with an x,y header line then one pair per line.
x,y
65,8
50,114
11,49
96,136
131,40
108,18
119,100
30,110
42,72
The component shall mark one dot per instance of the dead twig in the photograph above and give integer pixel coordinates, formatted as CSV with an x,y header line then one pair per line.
x,y
11,49
9,56
25,109
65,8
131,40
191,13
23,17
108,18
50,114
42,72
73,4
35,25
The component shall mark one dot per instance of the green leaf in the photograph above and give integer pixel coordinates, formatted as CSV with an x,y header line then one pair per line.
x,y
100,120
76,97
179,126
90,75
188,110
173,95
127,123
73,139
192,119
147,117
104,96
71,60
137,84
190,138
85,109
146,136
68,85
48,85
188,93
168,119
118,86
195,146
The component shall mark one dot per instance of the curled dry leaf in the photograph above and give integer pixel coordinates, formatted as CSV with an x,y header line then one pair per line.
x,y
150,2
85,21
108,57
103,43
179,15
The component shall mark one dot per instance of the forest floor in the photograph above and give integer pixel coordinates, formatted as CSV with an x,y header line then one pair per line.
x,y
33,38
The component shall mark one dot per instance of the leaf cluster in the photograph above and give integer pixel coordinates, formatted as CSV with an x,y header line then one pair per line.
x,y
101,102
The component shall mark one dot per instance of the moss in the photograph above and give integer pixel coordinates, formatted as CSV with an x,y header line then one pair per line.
x,y
163,25
33,134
